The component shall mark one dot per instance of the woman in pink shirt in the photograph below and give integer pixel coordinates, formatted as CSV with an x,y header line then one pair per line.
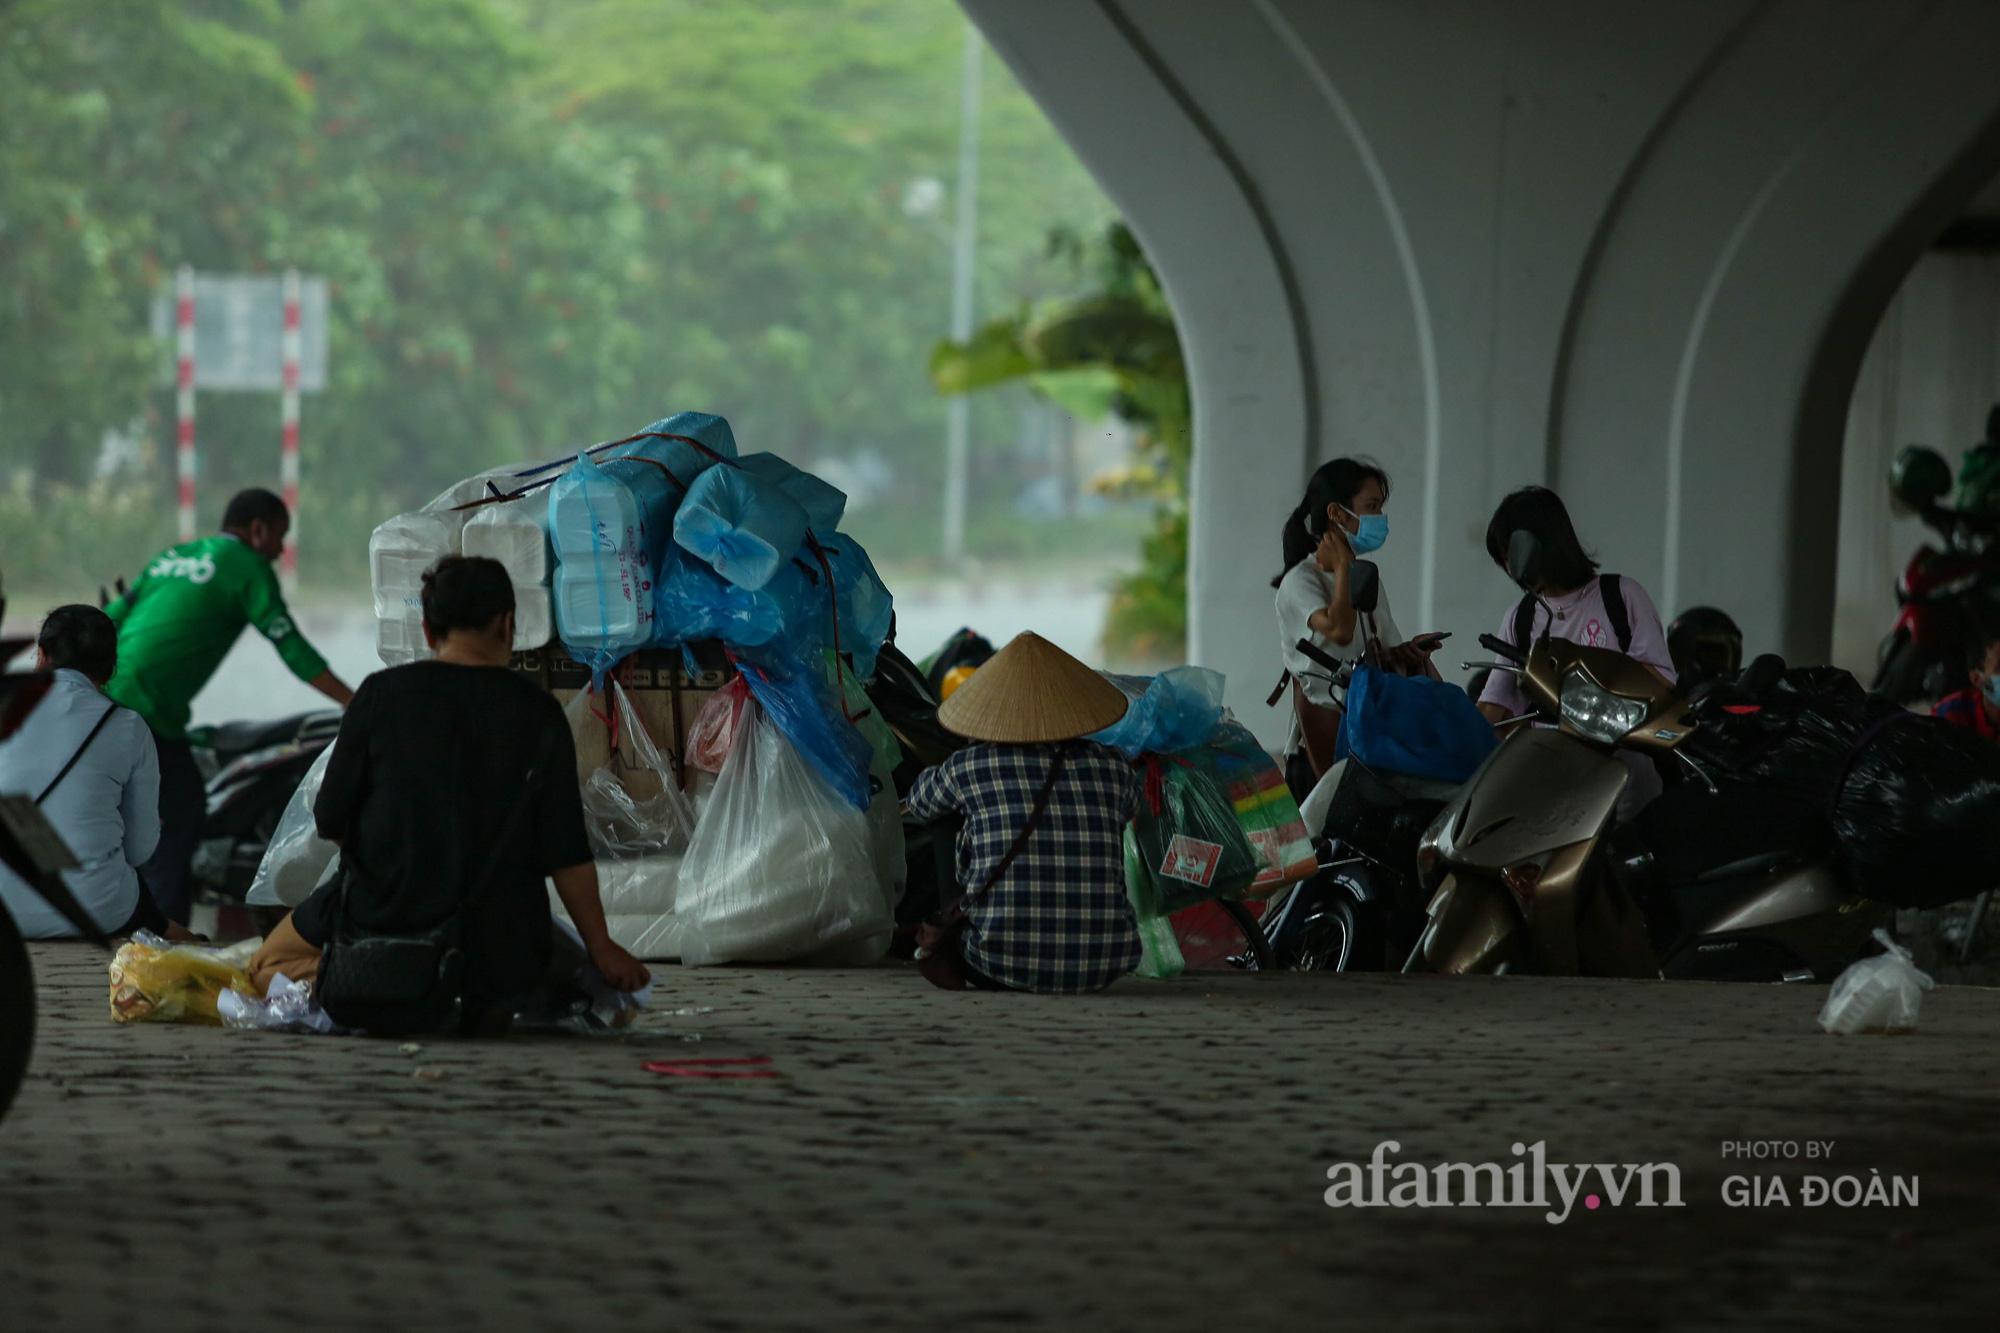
x,y
1571,600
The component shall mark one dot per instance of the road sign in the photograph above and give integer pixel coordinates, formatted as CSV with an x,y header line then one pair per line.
x,y
239,332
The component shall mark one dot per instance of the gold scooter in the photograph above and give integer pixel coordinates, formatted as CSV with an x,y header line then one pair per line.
x,y
1521,877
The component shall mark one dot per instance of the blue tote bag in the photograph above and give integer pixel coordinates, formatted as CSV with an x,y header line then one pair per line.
x,y
1413,725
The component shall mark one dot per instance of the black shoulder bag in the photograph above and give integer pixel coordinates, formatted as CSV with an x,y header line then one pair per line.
x,y
393,985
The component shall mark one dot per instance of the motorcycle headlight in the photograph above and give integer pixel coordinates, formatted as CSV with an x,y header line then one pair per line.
x,y
1597,713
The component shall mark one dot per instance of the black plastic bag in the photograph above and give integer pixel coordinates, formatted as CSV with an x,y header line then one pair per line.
x,y
1918,814
1912,804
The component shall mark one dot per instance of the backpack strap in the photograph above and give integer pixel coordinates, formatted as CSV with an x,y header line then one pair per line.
x,y
1524,622
1611,587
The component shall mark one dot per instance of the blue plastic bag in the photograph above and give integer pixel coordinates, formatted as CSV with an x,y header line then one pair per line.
x,y
686,461
1413,725
867,611
694,602
1173,711
799,699
823,502
740,524
603,585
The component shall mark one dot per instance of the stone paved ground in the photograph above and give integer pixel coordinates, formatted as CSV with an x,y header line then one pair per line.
x,y
1152,1158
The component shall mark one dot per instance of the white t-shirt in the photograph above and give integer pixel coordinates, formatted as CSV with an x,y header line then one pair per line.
x,y
1302,593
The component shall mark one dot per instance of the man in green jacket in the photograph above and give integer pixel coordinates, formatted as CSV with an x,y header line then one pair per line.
x,y
175,625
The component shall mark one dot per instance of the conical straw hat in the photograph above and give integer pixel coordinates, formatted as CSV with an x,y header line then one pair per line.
x,y
1032,692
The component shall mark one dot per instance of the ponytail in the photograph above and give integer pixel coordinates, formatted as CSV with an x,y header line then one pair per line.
x,y
1334,483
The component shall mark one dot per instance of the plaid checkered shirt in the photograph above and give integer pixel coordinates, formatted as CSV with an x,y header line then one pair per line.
x,y
1058,920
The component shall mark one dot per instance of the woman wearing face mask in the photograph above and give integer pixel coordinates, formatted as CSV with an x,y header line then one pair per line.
x,y
1340,518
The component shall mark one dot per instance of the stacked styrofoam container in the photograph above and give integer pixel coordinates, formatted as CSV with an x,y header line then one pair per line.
x,y
402,549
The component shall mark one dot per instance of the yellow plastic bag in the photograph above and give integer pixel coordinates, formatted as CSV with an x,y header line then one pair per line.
x,y
153,981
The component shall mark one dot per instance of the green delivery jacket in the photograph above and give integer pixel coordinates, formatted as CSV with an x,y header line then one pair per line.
x,y
180,619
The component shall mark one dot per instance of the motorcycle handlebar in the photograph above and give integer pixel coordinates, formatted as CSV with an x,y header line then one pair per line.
x,y
1494,644
1312,653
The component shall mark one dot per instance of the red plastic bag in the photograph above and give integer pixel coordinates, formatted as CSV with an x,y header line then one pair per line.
x,y
1209,936
714,730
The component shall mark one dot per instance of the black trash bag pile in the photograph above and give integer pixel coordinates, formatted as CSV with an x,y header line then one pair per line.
x,y
1912,804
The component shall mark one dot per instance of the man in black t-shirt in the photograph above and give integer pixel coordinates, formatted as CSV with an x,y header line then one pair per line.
x,y
424,794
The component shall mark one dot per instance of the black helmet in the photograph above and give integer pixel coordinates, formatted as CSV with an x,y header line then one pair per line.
x,y
1705,645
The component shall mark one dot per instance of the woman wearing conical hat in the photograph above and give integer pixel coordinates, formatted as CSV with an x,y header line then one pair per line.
x,y
1041,858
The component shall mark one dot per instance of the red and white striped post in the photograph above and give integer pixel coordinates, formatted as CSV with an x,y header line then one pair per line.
x,y
289,413
184,395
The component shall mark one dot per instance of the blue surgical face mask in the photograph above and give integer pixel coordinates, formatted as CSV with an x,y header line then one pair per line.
x,y
1369,536
1992,690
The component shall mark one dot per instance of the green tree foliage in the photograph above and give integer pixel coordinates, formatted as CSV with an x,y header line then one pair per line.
x,y
1111,349
545,223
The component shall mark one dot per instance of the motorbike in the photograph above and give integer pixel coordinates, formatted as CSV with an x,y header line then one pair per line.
x,y
250,770
1948,600
1521,865
1363,911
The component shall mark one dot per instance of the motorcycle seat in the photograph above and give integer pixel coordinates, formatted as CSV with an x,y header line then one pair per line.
x,y
232,739
1761,864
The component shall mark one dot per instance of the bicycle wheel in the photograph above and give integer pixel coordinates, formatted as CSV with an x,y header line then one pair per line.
x,y
1253,934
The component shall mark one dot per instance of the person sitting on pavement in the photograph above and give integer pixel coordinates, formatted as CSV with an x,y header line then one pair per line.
x,y
90,764
428,765
175,625
1977,707
1041,855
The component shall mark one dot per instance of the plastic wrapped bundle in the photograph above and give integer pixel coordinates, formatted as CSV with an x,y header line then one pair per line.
x,y
1173,711
824,503
639,899
693,602
153,981
400,552
713,442
742,525
517,535
780,866
1189,837
802,703
603,530
867,611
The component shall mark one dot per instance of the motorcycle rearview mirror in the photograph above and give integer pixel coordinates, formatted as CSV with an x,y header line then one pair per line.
x,y
1919,477
1364,586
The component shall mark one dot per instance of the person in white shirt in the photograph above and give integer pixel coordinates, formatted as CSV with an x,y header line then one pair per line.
x,y
1341,517
93,769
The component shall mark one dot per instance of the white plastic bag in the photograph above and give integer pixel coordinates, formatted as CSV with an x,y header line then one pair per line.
x,y
298,858
1879,994
632,805
638,898
288,1006
780,866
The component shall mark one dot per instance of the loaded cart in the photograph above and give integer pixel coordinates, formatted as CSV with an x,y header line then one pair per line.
x,y
666,583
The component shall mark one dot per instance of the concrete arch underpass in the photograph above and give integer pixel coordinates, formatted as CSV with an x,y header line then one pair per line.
x,y
1635,251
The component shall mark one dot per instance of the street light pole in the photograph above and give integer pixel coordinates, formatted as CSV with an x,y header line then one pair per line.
x,y
958,420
